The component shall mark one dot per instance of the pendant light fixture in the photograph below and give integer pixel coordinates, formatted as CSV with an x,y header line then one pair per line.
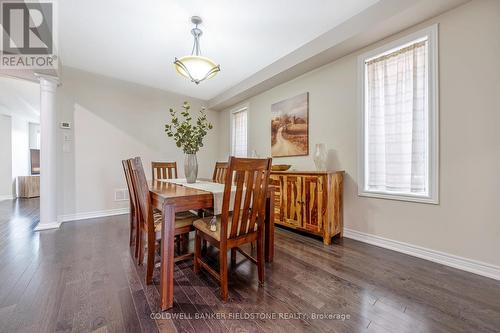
x,y
195,67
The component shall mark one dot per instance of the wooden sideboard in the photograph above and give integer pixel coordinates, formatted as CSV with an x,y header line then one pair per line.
x,y
309,201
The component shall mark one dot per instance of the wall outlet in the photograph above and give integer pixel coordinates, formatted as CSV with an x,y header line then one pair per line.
x,y
121,194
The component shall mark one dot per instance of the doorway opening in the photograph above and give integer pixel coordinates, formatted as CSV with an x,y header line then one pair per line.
x,y
20,140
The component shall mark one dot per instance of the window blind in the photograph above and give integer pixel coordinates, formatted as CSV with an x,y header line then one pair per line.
x,y
239,134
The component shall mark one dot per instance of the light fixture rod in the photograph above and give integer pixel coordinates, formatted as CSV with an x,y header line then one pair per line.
x,y
196,45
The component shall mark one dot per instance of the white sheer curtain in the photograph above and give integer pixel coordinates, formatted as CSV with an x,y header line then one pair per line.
x,y
239,135
396,121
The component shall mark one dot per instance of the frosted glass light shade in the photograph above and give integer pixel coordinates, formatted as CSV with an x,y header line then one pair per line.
x,y
196,68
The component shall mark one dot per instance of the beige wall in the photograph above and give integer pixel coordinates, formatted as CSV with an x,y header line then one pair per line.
x,y
113,120
466,222
5,156
20,149
34,129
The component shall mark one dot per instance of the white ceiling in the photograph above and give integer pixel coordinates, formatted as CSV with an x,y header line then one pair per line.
x,y
138,40
380,20
20,98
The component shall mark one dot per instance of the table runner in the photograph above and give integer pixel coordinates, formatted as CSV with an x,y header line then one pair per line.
x,y
215,188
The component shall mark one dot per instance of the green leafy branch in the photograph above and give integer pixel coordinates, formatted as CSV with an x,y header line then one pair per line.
x,y
187,135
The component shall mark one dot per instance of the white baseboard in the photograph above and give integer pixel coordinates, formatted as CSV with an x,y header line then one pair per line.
x,y
6,197
92,215
81,216
47,226
469,265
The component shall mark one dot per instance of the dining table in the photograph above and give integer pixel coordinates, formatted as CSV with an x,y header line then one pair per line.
x,y
171,198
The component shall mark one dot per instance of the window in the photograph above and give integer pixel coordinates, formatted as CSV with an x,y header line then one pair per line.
x,y
398,134
239,133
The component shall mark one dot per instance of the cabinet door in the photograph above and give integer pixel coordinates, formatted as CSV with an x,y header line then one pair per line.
x,y
277,182
314,204
292,197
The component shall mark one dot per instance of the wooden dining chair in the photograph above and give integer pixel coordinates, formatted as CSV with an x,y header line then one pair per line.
x,y
244,225
220,172
167,170
133,203
219,176
163,170
151,221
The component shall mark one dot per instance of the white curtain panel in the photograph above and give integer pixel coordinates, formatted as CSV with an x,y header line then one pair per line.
x,y
396,121
239,140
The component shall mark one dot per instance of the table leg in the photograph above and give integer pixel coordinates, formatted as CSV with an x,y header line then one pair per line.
x,y
269,228
167,257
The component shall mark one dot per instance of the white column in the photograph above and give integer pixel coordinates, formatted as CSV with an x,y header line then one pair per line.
x,y
48,153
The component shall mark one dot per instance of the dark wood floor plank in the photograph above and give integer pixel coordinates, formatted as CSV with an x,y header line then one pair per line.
x,y
209,291
198,303
324,288
5,317
282,280
142,306
153,298
129,312
349,278
67,307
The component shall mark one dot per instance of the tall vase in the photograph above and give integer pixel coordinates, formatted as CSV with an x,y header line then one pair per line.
x,y
190,167
320,156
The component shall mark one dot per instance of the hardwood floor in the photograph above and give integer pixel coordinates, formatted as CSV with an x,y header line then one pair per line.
x,y
81,278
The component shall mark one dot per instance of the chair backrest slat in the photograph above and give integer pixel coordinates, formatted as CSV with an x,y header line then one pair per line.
x,y
130,186
220,172
163,170
251,178
240,180
247,201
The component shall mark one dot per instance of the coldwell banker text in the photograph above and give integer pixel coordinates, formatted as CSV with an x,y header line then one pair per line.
x,y
28,39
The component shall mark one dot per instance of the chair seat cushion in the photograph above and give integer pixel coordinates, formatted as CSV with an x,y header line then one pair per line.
x,y
203,225
182,219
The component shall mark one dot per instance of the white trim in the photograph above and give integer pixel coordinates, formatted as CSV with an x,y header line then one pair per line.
x,y
397,196
92,215
465,264
240,108
81,216
433,198
48,149
6,197
47,226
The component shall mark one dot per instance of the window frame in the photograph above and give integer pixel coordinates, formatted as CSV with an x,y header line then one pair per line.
x,y
241,108
431,33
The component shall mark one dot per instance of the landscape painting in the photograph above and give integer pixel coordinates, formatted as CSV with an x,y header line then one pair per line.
x,y
290,127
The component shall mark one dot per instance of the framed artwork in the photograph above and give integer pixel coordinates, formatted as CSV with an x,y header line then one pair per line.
x,y
290,127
